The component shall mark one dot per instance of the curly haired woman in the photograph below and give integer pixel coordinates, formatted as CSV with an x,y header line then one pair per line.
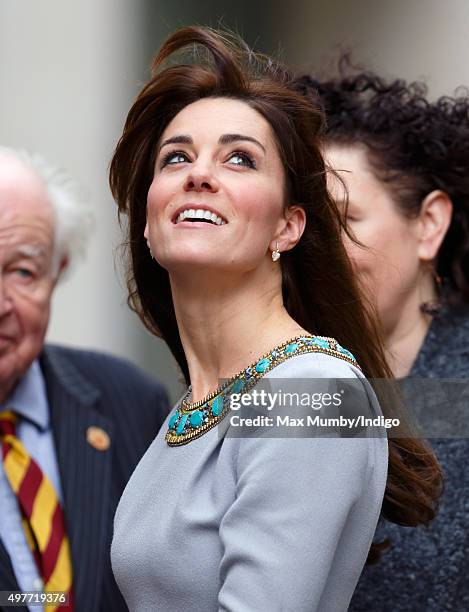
x,y
405,164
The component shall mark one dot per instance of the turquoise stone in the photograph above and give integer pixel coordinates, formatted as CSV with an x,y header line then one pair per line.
x,y
345,352
196,418
173,420
322,343
262,365
290,348
237,386
182,422
217,406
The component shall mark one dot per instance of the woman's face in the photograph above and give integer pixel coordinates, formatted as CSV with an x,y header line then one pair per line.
x,y
390,267
216,159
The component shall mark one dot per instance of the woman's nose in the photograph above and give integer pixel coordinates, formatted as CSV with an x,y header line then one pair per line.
x,y
201,178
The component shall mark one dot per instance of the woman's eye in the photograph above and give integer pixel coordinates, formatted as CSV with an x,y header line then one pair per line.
x,y
173,158
242,159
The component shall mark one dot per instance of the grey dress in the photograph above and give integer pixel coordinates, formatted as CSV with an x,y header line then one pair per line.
x,y
252,524
427,569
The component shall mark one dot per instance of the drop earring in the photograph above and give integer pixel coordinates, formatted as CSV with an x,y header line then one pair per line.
x,y
275,253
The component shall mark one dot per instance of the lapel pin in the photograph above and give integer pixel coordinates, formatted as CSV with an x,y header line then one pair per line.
x,y
98,438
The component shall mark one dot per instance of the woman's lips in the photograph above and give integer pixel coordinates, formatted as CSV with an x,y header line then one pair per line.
x,y
198,211
197,225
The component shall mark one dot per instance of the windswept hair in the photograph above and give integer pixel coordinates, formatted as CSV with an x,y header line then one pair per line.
x,y
318,283
414,146
74,219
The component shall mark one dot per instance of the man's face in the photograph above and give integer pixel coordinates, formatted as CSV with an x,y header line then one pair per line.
x,y
27,277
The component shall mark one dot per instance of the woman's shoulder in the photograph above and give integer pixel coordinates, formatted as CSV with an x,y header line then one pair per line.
x,y
308,416
318,357
445,351
324,374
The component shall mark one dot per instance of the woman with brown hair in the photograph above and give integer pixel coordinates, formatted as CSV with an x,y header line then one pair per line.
x,y
405,163
219,169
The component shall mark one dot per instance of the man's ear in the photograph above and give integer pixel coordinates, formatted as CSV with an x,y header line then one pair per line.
x,y
434,220
291,229
63,265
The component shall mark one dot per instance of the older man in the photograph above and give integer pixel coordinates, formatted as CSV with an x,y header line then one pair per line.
x,y
73,424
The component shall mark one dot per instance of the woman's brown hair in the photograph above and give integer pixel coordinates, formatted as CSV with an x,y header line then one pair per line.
x,y
318,284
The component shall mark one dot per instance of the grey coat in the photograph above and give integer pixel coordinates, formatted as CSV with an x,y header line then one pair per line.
x,y
252,524
427,569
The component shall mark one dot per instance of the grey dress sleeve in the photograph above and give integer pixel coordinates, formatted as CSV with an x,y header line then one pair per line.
x,y
297,535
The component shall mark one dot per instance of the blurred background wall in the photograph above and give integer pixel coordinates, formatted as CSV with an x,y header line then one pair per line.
x,y
69,71
412,39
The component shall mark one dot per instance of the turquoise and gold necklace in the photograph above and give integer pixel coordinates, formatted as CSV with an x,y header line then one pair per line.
x,y
190,421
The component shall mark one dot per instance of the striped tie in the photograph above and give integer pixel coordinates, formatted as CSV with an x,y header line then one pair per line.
x,y
43,519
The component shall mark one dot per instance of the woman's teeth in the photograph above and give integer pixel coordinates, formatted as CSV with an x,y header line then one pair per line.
x,y
198,214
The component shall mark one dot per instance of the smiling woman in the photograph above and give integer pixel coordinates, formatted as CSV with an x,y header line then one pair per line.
x,y
220,172
200,168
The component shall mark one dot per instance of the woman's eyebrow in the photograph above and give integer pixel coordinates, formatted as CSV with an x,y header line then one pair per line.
x,y
182,139
224,139
229,138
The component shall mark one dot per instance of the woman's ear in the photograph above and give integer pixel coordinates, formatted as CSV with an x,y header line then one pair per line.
x,y
433,222
291,229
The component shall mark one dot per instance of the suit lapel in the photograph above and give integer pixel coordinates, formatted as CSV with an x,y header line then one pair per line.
x,y
7,579
7,576
85,473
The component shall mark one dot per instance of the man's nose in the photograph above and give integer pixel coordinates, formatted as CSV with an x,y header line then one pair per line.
x,y
201,178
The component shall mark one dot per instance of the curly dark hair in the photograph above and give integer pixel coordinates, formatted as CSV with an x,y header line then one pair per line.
x,y
414,146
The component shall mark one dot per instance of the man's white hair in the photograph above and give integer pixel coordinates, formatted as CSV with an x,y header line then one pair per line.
x,y
74,220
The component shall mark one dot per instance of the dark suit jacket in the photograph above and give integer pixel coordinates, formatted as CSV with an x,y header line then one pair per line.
x,y
87,388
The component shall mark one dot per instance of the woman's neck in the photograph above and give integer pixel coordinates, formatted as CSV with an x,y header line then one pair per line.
x,y
224,326
405,338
